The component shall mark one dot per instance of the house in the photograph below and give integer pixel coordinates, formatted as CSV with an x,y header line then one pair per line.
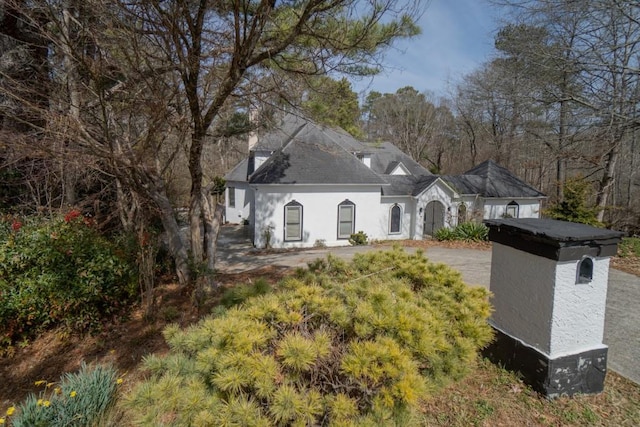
x,y
306,184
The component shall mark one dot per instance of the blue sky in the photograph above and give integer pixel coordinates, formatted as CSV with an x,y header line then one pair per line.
x,y
457,36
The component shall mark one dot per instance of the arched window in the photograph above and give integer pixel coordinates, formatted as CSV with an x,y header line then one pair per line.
x,y
293,221
585,271
346,219
462,213
395,219
513,209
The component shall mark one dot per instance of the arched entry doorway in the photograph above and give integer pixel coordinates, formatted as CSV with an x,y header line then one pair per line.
x,y
433,218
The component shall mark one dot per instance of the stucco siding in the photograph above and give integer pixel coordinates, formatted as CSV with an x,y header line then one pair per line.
x,y
407,207
497,208
523,288
579,309
319,213
240,212
441,193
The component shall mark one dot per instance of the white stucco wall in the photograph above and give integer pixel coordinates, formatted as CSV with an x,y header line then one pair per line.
x,y
523,286
496,208
578,315
407,206
441,193
537,301
319,214
244,196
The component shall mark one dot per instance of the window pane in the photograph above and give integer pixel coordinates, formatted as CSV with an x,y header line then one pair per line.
x,y
345,221
345,229
395,219
293,229
345,213
293,215
232,197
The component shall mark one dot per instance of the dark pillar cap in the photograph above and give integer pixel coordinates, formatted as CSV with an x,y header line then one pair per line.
x,y
554,239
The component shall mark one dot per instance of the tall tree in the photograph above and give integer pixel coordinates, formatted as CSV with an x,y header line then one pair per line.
x,y
593,57
410,120
334,103
161,74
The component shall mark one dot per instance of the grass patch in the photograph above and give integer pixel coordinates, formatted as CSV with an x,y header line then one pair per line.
x,y
492,396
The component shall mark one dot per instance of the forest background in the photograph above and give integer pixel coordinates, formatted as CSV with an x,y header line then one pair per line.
x,y
130,111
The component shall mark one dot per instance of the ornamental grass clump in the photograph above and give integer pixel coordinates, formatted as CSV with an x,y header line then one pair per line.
x,y
80,399
467,232
360,343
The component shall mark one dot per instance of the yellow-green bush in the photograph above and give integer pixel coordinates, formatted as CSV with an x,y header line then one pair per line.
x,y
339,344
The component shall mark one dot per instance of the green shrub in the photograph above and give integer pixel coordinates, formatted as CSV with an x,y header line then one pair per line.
x,y
358,343
467,231
358,239
444,234
239,294
629,247
471,232
60,272
79,400
574,206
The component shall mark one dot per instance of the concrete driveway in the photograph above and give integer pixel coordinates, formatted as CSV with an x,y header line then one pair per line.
x,y
622,317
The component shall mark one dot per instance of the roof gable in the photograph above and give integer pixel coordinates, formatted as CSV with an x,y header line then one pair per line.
x,y
424,183
386,156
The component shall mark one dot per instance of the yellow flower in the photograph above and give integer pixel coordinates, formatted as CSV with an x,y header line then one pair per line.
x,y
40,382
119,381
39,402
73,394
1,420
49,385
57,390
11,410
46,403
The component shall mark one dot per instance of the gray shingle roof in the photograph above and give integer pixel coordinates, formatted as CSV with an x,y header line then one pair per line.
x,y
311,159
399,185
309,153
239,173
489,179
423,183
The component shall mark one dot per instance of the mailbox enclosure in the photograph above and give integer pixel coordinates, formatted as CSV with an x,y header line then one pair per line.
x,y
549,283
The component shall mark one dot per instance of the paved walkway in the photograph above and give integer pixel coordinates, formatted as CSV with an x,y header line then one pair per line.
x,y
622,317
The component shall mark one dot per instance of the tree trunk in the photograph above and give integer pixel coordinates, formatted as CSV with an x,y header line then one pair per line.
x,y
69,169
177,248
212,213
607,181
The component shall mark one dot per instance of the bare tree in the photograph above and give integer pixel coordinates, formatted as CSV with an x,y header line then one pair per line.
x,y
410,120
160,75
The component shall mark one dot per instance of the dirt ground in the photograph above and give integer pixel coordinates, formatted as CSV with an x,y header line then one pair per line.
x,y
124,344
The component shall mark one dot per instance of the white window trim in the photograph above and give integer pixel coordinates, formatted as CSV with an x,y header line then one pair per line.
x,y
513,206
292,206
352,219
232,196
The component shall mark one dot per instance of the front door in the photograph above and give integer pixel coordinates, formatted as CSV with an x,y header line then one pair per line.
x,y
433,218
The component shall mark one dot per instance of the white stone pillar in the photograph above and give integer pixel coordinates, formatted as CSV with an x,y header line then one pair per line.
x,y
549,283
